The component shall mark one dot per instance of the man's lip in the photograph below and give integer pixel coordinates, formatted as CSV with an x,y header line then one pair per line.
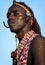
x,y
11,22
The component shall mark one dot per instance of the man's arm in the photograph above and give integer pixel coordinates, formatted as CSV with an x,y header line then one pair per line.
x,y
38,50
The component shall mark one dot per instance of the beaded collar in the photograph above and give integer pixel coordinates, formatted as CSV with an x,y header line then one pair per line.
x,y
23,47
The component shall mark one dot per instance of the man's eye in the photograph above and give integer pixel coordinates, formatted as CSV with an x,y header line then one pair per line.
x,y
15,13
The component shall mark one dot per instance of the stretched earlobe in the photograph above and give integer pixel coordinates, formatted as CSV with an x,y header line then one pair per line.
x,y
31,21
27,18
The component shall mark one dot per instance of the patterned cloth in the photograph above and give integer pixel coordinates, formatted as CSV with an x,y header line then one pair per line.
x,y
23,47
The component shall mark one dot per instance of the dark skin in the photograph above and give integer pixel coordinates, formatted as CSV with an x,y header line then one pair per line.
x,y
19,24
37,51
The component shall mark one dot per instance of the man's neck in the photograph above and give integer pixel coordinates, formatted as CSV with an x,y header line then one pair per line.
x,y
22,32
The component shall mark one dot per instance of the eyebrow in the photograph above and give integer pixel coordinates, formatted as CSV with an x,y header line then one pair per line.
x,y
14,11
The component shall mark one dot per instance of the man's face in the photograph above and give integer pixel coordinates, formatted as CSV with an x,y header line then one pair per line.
x,y
16,19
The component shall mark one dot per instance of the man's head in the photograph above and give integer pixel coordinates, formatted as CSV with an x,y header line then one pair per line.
x,y
16,18
19,15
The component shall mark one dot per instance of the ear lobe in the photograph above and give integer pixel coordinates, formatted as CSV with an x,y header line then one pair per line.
x,y
31,21
27,18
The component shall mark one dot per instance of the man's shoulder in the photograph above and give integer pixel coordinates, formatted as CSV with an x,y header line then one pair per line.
x,y
39,38
37,41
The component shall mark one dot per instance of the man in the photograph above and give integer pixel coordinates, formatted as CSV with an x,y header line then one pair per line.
x,y
31,48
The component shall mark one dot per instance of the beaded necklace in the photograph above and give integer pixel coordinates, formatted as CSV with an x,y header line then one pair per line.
x,y
23,47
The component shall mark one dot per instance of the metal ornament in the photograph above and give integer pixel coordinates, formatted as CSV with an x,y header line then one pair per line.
x,y
5,25
14,1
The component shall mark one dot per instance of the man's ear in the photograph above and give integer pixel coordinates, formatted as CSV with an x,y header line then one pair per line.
x,y
30,21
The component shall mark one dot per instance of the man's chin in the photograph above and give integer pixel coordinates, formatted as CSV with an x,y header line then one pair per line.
x,y
14,31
